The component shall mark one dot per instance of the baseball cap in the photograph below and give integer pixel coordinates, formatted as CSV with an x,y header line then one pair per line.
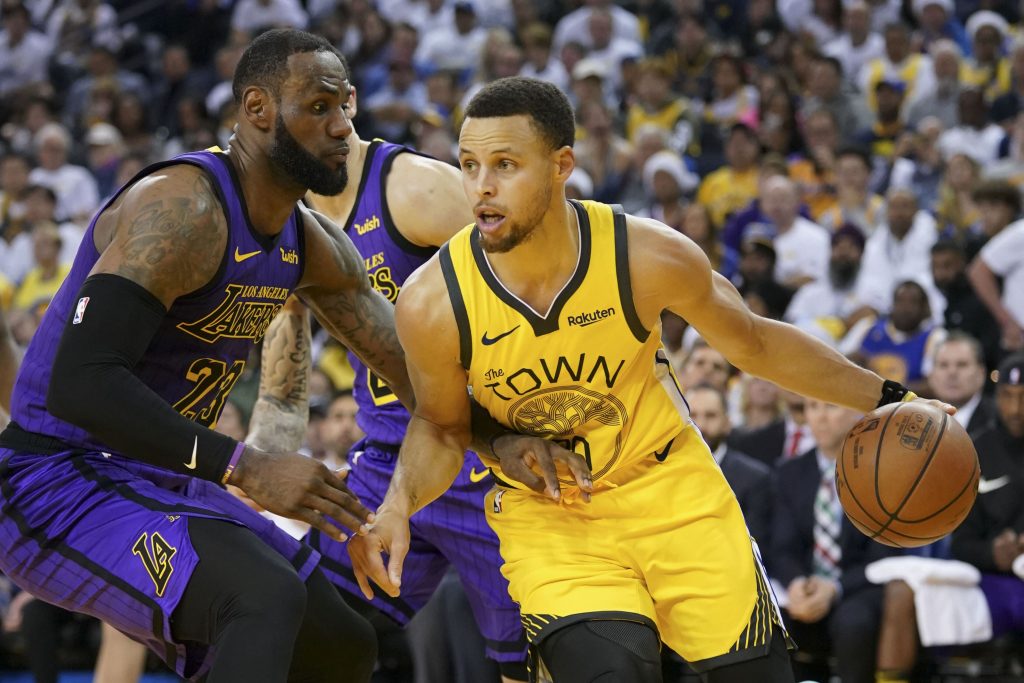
x,y
1011,371
103,134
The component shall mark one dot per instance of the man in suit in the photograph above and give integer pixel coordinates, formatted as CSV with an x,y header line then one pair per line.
x,y
819,557
958,377
781,439
992,536
750,480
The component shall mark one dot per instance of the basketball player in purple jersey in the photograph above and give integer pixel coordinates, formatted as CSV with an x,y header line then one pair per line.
x,y
110,477
402,208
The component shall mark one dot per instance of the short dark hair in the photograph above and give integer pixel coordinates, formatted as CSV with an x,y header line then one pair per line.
x,y
964,338
265,62
836,65
855,151
546,105
948,246
704,386
998,191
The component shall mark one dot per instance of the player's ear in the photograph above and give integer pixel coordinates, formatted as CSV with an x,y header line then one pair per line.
x,y
352,105
258,107
565,159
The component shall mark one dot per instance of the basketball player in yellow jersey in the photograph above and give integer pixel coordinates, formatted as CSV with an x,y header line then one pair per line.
x,y
549,311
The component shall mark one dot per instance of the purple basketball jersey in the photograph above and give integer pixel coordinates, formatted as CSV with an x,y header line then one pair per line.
x,y
204,341
390,259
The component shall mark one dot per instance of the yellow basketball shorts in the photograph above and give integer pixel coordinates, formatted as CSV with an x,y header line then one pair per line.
x,y
662,542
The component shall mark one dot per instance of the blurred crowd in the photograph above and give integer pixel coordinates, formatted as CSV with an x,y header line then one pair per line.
x,y
854,167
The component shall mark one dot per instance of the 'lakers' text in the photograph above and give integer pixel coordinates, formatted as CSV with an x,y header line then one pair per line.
x,y
245,313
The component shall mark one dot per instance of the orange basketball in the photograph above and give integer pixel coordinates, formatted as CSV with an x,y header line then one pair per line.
x,y
908,474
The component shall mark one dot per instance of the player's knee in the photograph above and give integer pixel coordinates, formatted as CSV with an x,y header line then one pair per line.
x,y
274,593
603,651
899,600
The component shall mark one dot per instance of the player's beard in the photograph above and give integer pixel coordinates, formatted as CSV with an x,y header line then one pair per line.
x,y
296,162
519,231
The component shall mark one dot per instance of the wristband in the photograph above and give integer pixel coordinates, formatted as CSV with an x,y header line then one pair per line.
x,y
233,462
894,392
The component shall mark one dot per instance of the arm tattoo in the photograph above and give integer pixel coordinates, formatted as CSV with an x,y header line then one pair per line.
x,y
364,321
279,417
166,247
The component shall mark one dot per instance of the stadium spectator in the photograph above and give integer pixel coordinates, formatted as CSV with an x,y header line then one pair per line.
x,y
958,378
855,202
24,52
991,537
749,479
77,194
818,558
1003,256
732,186
857,45
801,246
964,310
943,102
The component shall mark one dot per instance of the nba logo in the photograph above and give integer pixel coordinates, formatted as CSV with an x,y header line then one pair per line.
x,y
80,311
497,501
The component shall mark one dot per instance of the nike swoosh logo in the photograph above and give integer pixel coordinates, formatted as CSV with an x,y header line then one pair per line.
x,y
989,485
487,341
663,453
241,257
477,477
191,464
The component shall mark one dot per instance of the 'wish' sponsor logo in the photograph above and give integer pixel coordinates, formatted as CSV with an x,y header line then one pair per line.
x,y
584,319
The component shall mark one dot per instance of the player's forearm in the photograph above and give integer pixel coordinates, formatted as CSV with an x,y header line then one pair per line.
x,y
364,321
797,361
281,412
428,463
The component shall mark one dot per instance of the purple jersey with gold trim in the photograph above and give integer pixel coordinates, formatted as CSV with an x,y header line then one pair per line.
x,y
204,341
390,258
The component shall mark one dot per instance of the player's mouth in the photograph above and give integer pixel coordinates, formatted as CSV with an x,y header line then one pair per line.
x,y
489,220
339,153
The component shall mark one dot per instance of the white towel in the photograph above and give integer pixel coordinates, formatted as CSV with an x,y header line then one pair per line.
x,y
951,609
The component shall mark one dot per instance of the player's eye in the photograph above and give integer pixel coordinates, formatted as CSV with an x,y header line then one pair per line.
x,y
320,108
506,164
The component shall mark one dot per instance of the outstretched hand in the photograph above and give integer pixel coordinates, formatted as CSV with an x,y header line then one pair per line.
x,y
388,536
533,461
292,485
941,405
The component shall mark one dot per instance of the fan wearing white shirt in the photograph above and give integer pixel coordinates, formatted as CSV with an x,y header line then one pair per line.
x,y
897,251
1003,256
828,307
858,44
801,246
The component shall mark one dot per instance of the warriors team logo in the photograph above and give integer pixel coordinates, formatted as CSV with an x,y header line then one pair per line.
x,y
560,413
156,554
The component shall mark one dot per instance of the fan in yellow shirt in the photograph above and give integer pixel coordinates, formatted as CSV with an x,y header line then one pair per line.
x,y
733,186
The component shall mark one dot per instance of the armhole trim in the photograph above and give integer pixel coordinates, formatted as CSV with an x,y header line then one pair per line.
x,y
622,275
458,306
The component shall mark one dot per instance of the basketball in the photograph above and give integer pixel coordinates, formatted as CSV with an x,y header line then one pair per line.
x,y
908,474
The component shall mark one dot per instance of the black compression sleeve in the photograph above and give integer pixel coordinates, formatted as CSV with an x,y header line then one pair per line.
x,y
93,385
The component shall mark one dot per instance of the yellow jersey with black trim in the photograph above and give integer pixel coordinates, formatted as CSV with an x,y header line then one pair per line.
x,y
585,373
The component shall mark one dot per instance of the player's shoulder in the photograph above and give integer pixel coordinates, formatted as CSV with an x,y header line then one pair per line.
x,y
652,242
424,302
426,199
174,181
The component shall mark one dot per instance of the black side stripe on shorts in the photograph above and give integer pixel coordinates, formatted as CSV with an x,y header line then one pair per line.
x,y
507,646
60,547
458,306
127,492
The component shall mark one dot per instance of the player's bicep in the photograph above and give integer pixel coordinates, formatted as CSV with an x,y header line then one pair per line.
x,y
430,336
169,235
672,272
337,289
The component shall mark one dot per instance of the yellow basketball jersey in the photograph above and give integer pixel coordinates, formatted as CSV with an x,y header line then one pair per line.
x,y
585,373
